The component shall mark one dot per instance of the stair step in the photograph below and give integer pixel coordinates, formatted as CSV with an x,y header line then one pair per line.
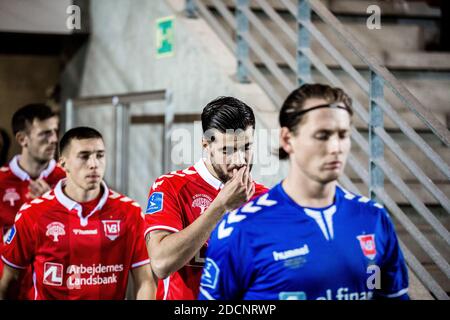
x,y
420,61
422,161
357,7
424,258
431,235
405,43
231,4
416,188
398,46
391,37
438,61
436,103
391,8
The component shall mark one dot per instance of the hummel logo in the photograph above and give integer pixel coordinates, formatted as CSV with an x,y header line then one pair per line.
x,y
283,255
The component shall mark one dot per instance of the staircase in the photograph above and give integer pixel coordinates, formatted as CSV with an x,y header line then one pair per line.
x,y
401,98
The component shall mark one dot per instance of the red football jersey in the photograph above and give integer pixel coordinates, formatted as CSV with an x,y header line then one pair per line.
x,y
175,201
14,184
76,255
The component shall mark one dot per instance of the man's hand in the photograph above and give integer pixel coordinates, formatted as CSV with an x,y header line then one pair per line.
x,y
238,190
37,188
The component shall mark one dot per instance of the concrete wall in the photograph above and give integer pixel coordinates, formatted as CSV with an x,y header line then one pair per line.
x,y
121,58
34,16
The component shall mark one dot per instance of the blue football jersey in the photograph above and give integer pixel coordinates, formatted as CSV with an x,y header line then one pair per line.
x,y
272,248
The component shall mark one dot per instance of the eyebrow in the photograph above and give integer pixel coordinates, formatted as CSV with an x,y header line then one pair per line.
x,y
330,131
46,131
90,152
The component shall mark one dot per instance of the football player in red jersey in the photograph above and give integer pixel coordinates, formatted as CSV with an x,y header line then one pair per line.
x,y
185,206
30,174
81,238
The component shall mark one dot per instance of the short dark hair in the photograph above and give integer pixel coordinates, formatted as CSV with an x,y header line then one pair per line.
x,y
25,116
290,117
79,133
225,113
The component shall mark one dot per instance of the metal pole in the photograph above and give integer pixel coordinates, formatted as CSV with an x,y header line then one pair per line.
x,y
303,43
167,133
125,124
190,9
68,115
242,50
120,143
375,142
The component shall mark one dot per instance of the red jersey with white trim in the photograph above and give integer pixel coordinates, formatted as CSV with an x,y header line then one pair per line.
x,y
175,201
78,255
14,189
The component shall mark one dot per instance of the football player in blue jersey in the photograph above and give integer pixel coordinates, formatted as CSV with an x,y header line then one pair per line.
x,y
308,238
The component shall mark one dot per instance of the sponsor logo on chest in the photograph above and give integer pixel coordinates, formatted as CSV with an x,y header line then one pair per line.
x,y
55,230
367,243
288,254
81,275
201,201
85,232
93,275
53,274
111,229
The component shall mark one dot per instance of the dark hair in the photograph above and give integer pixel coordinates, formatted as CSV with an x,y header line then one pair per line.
x,y
79,133
225,113
289,114
25,116
4,146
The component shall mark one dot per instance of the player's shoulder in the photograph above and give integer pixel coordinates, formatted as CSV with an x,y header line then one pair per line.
x,y
5,173
253,214
175,179
363,203
116,199
35,208
4,170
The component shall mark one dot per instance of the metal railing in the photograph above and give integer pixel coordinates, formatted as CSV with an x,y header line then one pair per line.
x,y
248,36
121,104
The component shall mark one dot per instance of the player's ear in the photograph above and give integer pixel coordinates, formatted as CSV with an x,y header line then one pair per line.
x,y
62,162
285,140
208,137
22,139
204,143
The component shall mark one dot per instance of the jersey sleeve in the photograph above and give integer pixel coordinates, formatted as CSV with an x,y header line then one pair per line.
x,y
394,273
228,266
163,210
140,254
18,250
7,214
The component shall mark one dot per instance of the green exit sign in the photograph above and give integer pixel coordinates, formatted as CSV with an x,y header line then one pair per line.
x,y
165,37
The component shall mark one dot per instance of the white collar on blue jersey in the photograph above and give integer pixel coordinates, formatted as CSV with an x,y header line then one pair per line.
x,y
23,175
203,171
70,204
